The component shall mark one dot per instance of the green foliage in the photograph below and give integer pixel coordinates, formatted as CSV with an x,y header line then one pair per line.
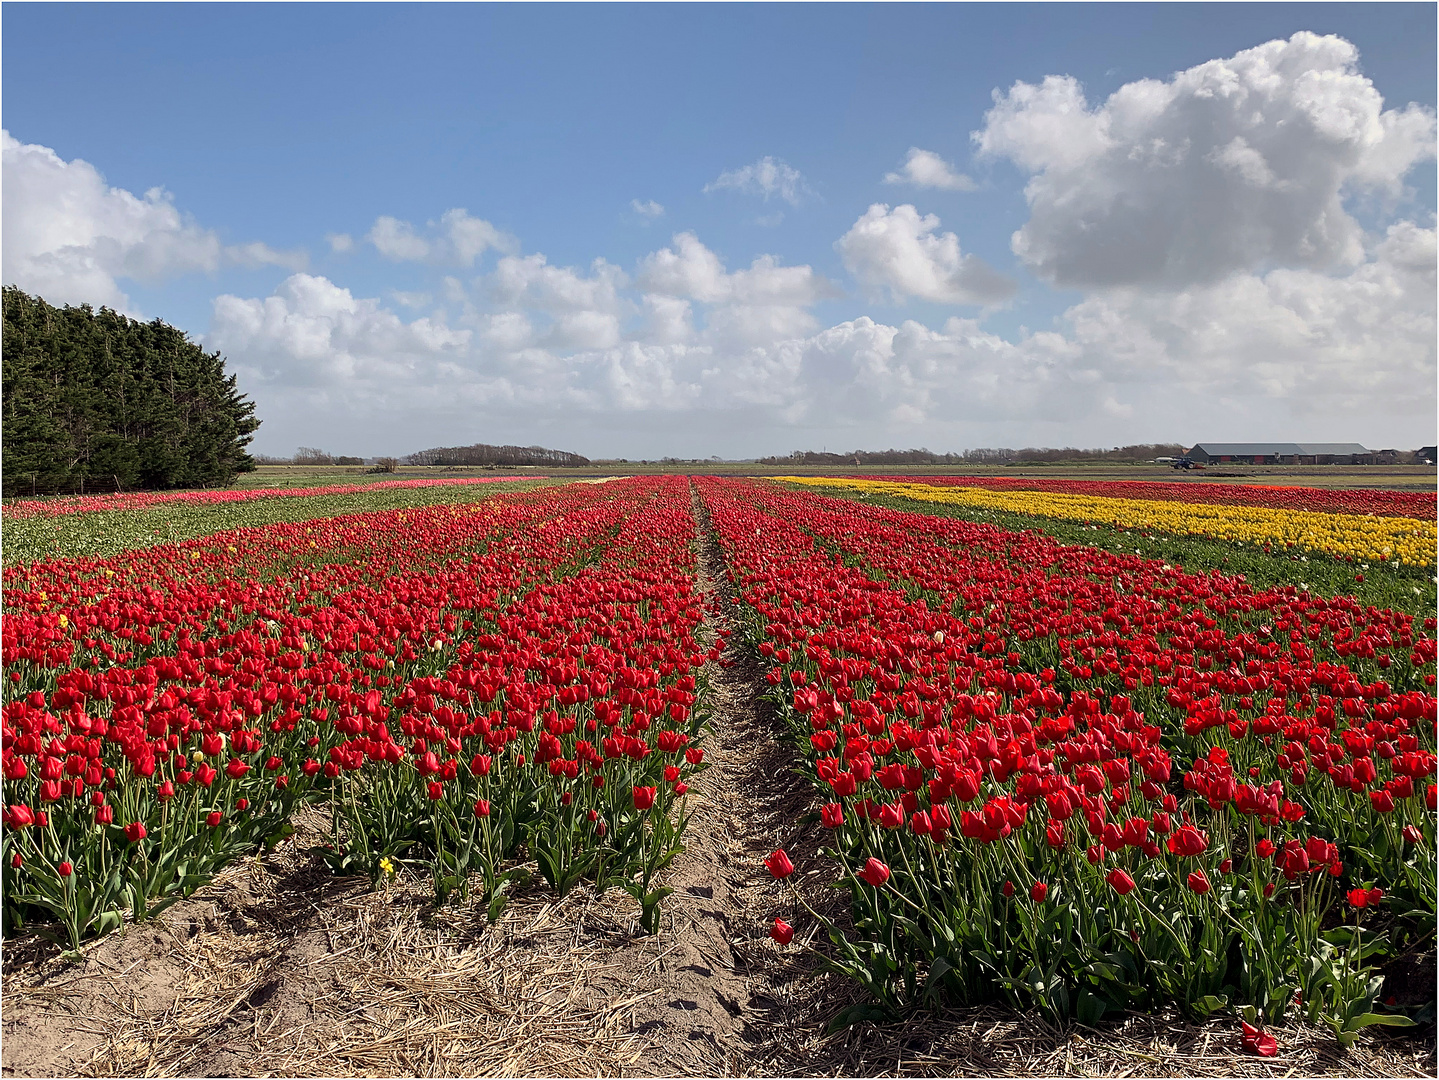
x,y
100,402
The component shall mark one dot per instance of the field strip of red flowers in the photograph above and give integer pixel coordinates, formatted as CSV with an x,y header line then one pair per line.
x,y
20,509
663,776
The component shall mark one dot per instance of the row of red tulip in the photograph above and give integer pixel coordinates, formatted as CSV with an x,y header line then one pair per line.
x,y
990,715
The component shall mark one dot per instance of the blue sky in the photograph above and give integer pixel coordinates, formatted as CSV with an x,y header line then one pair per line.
x,y
1205,293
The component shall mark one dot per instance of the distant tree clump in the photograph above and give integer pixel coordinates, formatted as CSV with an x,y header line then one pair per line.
x,y
1031,455
499,456
98,401
865,457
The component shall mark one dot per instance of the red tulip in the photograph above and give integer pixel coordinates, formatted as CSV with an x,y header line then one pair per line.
x,y
779,864
1362,898
1257,1042
1122,883
65,869
875,873
19,817
782,932
831,815
1198,882
1187,841
644,797
1038,891
135,832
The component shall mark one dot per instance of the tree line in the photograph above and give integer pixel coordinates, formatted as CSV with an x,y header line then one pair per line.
x,y
985,456
499,456
94,400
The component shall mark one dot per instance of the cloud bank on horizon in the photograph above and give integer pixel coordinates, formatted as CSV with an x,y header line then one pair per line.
x,y
1205,230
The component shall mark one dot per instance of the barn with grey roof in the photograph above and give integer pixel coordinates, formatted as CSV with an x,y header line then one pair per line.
x,y
1281,453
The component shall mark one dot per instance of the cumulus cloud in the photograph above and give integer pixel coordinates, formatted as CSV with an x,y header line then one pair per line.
x,y
71,237
925,169
768,178
311,333
899,251
689,269
530,281
648,209
1237,164
1291,340
340,242
765,302
457,239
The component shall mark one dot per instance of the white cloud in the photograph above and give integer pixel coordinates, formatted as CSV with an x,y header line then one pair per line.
x,y
648,209
455,240
768,177
668,320
899,250
1238,164
925,169
340,242
72,238
69,236
691,270
313,334
529,281
255,255
1290,341
396,239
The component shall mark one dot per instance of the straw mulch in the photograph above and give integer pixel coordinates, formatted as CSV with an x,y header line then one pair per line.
x,y
277,968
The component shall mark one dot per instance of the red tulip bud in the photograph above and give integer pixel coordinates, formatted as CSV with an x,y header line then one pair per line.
x,y
779,864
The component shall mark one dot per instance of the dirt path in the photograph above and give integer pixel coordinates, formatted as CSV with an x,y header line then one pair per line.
x,y
277,968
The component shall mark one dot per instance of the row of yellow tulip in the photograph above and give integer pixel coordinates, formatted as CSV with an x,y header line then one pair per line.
x,y
1378,539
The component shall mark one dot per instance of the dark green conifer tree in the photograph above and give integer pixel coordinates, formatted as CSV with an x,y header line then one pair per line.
x,y
100,402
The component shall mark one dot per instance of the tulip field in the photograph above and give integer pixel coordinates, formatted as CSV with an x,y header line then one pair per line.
x,y
1079,781
452,682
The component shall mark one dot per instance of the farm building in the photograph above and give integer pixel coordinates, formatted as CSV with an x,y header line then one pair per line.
x,y
1282,453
